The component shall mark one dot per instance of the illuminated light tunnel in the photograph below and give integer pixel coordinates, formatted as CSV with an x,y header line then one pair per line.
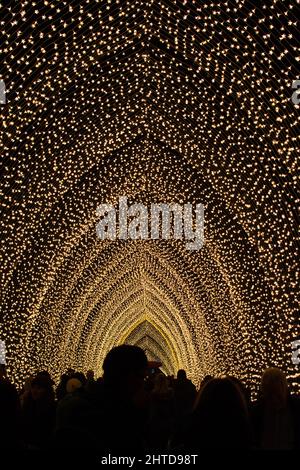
x,y
162,102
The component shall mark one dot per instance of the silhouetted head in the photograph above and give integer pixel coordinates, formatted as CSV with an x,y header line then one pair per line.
x,y
41,388
206,379
73,384
9,408
125,366
274,388
90,375
45,375
80,376
181,374
161,384
222,415
64,378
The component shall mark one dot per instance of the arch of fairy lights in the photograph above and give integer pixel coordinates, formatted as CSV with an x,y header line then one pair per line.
x,y
182,101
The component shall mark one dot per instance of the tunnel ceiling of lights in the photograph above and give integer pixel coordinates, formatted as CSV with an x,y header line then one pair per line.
x,y
161,101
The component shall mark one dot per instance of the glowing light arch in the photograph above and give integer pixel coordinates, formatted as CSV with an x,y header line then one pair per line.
x,y
207,83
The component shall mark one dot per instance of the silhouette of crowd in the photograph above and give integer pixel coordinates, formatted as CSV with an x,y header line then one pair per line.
x,y
130,411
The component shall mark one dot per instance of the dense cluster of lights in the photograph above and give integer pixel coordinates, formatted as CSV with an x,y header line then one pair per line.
x,y
161,101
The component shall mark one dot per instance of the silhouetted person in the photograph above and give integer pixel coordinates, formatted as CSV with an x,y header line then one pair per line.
x,y
72,418
220,419
90,380
121,422
162,413
26,389
61,388
276,415
204,381
80,376
9,413
90,376
106,417
65,415
185,393
45,375
38,413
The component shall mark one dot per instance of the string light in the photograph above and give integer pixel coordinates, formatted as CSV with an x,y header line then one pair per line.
x,y
185,101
